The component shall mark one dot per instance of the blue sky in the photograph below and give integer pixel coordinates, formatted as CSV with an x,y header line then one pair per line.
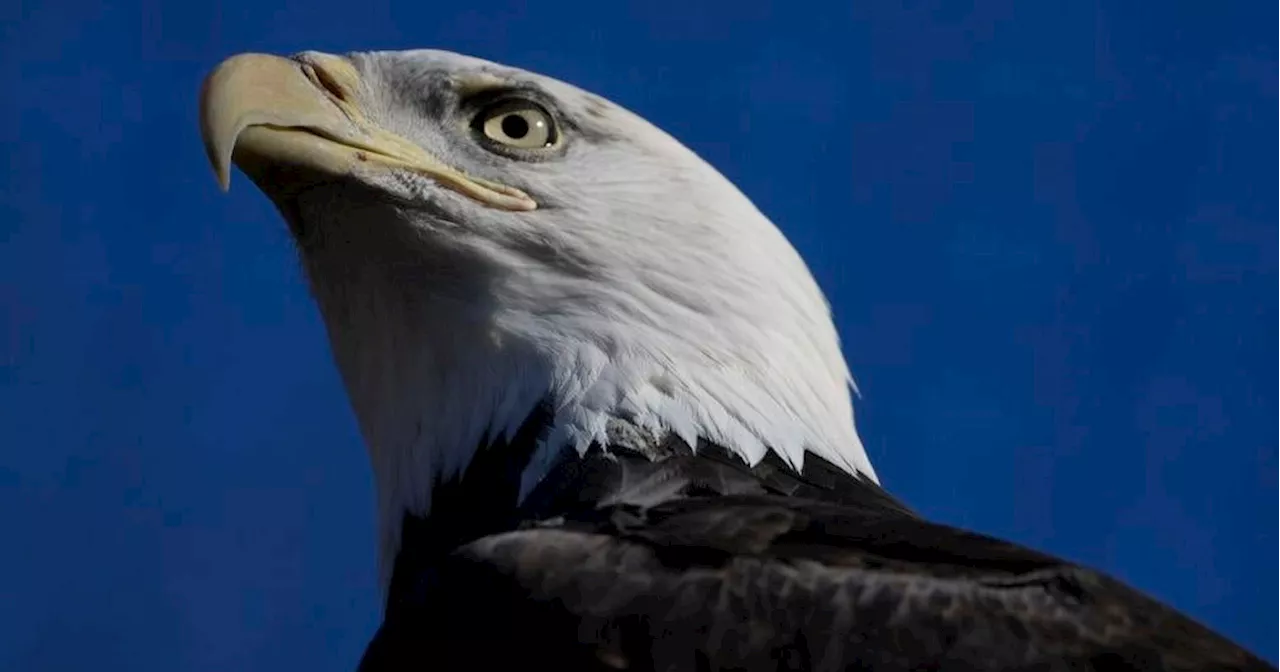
x,y
1048,231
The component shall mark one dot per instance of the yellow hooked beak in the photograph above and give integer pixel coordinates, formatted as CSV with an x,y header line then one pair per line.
x,y
264,111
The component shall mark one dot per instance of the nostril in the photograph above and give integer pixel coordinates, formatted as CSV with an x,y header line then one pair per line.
x,y
324,81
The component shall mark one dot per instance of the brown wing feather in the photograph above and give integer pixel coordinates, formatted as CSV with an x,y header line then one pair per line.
x,y
663,559
767,583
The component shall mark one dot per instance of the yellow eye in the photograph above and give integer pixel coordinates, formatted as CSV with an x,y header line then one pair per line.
x,y
521,124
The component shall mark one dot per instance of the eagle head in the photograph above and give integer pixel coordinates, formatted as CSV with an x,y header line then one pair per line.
x,y
483,241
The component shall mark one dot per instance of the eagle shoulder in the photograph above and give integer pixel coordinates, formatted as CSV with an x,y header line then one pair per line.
x,y
767,582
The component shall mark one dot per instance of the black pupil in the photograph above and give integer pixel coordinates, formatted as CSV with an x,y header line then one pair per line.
x,y
515,126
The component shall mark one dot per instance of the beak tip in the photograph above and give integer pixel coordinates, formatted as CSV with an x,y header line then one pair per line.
x,y
221,172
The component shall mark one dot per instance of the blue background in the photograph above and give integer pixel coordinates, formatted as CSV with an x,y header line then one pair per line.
x,y
1048,231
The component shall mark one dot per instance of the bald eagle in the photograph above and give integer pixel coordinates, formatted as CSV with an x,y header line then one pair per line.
x,y
605,403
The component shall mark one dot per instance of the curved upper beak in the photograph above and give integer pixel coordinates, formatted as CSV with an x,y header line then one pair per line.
x,y
263,112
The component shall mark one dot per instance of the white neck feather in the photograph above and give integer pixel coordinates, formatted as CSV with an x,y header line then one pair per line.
x,y
447,342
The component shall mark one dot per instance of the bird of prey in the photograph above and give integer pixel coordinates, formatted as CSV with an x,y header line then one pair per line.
x,y
605,403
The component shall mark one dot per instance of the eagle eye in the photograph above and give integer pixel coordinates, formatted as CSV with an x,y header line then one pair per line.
x,y
516,124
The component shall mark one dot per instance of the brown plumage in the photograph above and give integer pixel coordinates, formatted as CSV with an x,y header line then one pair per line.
x,y
658,558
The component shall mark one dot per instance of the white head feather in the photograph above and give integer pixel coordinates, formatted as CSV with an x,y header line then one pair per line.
x,y
645,288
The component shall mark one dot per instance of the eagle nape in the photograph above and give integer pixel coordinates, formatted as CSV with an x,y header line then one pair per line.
x,y
605,403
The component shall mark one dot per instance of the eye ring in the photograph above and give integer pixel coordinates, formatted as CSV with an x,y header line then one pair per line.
x,y
516,126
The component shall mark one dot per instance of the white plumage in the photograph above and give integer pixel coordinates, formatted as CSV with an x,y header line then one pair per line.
x,y
644,287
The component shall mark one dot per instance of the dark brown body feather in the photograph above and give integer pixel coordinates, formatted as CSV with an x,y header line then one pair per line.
x,y
657,558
